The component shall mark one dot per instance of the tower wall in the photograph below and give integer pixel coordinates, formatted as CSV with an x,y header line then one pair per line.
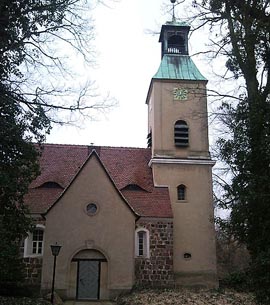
x,y
194,237
164,111
193,222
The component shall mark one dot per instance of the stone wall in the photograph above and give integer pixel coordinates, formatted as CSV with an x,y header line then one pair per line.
x,y
157,270
33,265
33,268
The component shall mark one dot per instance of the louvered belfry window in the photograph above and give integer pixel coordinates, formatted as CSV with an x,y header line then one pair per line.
x,y
181,134
149,139
176,44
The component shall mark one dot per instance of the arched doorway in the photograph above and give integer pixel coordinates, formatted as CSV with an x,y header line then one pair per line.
x,y
90,267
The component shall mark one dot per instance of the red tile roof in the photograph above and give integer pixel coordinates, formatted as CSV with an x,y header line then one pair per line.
x,y
151,204
126,166
59,163
40,199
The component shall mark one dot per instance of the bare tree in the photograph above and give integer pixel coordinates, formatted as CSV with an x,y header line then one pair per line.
x,y
239,33
38,87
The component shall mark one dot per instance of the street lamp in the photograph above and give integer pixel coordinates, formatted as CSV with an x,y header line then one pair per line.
x,y
55,252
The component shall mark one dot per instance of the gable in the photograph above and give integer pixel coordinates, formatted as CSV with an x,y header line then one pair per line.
x,y
125,167
93,183
91,214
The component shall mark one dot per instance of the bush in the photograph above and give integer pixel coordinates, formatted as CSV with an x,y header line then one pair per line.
x,y
260,274
239,281
19,290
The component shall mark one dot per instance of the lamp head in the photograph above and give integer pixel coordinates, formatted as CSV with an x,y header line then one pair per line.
x,y
55,249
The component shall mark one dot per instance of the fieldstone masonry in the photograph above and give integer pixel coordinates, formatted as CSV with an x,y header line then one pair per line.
x,y
33,267
157,270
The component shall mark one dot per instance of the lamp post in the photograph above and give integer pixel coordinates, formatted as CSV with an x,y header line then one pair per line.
x,y
55,252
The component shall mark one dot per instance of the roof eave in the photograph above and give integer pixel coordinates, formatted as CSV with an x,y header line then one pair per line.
x,y
178,79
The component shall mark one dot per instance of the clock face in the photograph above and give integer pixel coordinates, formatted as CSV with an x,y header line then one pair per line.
x,y
180,94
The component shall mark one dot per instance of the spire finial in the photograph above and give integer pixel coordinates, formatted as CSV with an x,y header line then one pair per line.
x,y
173,16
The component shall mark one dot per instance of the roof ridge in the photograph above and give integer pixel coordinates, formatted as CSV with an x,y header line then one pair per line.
x,y
61,144
86,145
125,147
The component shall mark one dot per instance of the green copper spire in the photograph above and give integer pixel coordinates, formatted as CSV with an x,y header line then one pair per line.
x,y
178,67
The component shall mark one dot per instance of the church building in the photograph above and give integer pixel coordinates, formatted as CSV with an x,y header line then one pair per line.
x,y
128,217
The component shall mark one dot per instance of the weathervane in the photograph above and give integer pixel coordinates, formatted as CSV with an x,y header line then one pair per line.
x,y
173,2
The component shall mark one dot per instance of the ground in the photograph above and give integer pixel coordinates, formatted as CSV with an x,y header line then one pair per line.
x,y
162,297
22,301
187,297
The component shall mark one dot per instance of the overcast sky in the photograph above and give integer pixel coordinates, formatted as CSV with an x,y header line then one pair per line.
x,y
127,59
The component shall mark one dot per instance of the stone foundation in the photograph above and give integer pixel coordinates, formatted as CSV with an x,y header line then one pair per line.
x,y
203,279
157,270
33,268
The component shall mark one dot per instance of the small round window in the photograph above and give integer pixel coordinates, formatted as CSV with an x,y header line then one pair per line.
x,y
91,209
187,256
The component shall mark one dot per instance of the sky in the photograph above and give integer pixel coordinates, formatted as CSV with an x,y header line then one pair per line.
x,y
127,58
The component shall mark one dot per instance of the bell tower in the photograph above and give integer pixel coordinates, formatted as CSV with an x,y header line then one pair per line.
x,y
178,137
174,38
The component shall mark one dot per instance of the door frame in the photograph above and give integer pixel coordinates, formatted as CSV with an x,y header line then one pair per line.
x,y
77,281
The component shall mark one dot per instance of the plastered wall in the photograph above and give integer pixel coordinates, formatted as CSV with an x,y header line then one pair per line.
x,y
194,258
110,231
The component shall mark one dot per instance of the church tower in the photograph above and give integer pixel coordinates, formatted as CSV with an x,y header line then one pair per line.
x,y
178,137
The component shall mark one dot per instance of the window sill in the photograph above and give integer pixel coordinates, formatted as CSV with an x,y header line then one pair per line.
x,y
182,201
142,257
33,256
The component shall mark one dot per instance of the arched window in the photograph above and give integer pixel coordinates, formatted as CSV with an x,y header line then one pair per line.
x,y
181,134
51,185
181,192
133,187
142,243
176,44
